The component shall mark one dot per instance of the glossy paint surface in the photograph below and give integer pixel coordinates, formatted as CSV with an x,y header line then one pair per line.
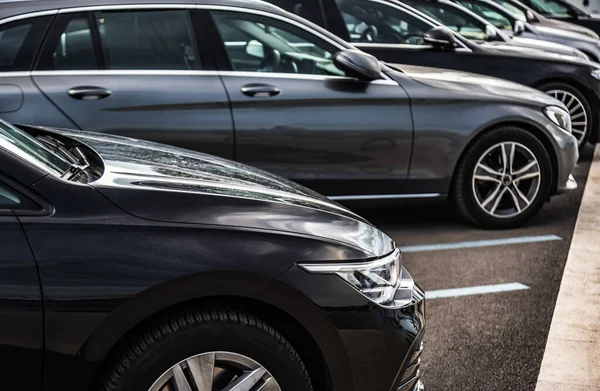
x,y
164,226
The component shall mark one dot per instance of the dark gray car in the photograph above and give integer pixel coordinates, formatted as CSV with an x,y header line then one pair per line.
x,y
249,81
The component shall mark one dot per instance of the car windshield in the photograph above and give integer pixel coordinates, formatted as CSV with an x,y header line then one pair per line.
x,y
517,12
551,7
490,14
31,150
453,18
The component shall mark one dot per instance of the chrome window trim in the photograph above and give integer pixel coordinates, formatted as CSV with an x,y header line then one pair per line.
x,y
124,72
28,15
15,74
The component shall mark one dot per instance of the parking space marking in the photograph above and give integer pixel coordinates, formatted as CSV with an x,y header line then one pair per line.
x,y
475,290
480,243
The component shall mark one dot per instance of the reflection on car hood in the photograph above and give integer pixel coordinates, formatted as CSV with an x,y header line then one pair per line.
x,y
164,183
547,46
553,32
475,84
533,53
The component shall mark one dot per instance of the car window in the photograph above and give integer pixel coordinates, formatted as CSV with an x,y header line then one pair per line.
x,y
19,42
153,39
517,12
378,23
9,199
551,7
21,144
490,14
307,9
260,44
452,18
143,40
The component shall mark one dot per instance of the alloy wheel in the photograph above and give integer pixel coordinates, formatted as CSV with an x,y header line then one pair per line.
x,y
506,179
216,371
579,117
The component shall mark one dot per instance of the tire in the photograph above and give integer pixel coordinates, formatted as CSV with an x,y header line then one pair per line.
x,y
472,187
564,93
198,333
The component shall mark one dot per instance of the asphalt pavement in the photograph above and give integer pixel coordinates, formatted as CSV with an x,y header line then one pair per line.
x,y
485,341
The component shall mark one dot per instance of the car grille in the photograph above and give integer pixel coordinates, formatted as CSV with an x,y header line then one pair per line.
x,y
411,379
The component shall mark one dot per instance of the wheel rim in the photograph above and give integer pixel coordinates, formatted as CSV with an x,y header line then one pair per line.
x,y
506,180
579,117
216,371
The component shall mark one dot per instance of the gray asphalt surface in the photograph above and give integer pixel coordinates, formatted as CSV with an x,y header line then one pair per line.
x,y
493,341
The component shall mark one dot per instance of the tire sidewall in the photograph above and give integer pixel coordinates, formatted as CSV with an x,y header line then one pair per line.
x,y
202,338
472,156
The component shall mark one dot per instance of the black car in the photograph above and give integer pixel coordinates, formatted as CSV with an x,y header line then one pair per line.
x,y
133,266
527,14
253,83
397,33
565,11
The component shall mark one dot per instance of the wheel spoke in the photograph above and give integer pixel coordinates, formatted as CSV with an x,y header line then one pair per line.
x,y
202,370
578,131
512,157
570,101
514,198
521,195
579,123
525,168
498,199
269,385
181,383
491,197
578,115
527,176
246,381
574,109
488,169
487,178
504,158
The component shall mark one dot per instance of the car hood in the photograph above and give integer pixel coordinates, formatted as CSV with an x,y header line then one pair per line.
x,y
477,86
547,46
163,183
552,32
559,24
531,53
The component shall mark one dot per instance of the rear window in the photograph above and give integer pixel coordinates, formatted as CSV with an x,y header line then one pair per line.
x,y
19,42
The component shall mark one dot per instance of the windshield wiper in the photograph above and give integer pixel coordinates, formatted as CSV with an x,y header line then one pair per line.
x,y
75,157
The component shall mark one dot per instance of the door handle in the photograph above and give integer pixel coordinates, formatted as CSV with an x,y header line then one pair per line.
x,y
260,90
88,93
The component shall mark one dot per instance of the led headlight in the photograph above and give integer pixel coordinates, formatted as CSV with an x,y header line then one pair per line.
x,y
596,74
559,116
378,280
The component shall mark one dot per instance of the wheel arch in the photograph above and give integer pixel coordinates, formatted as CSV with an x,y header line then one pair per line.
x,y
117,331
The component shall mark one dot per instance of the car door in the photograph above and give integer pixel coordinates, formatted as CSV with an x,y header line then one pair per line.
x,y
299,116
21,318
137,72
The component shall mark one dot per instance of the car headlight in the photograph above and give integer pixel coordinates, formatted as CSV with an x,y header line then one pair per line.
x,y
383,280
559,116
596,74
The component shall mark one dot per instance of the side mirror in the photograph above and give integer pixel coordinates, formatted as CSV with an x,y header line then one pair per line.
x,y
530,16
440,37
490,31
358,64
519,27
255,49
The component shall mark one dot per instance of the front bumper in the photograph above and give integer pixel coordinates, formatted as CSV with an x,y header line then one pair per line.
x,y
567,154
365,346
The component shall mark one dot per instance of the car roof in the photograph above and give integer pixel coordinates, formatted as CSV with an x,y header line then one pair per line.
x,y
19,7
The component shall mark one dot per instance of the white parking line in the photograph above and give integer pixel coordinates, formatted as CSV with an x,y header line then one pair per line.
x,y
480,243
475,290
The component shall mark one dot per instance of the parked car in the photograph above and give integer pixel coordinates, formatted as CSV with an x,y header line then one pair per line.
x,y
166,269
274,91
566,12
524,31
474,27
397,33
528,14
